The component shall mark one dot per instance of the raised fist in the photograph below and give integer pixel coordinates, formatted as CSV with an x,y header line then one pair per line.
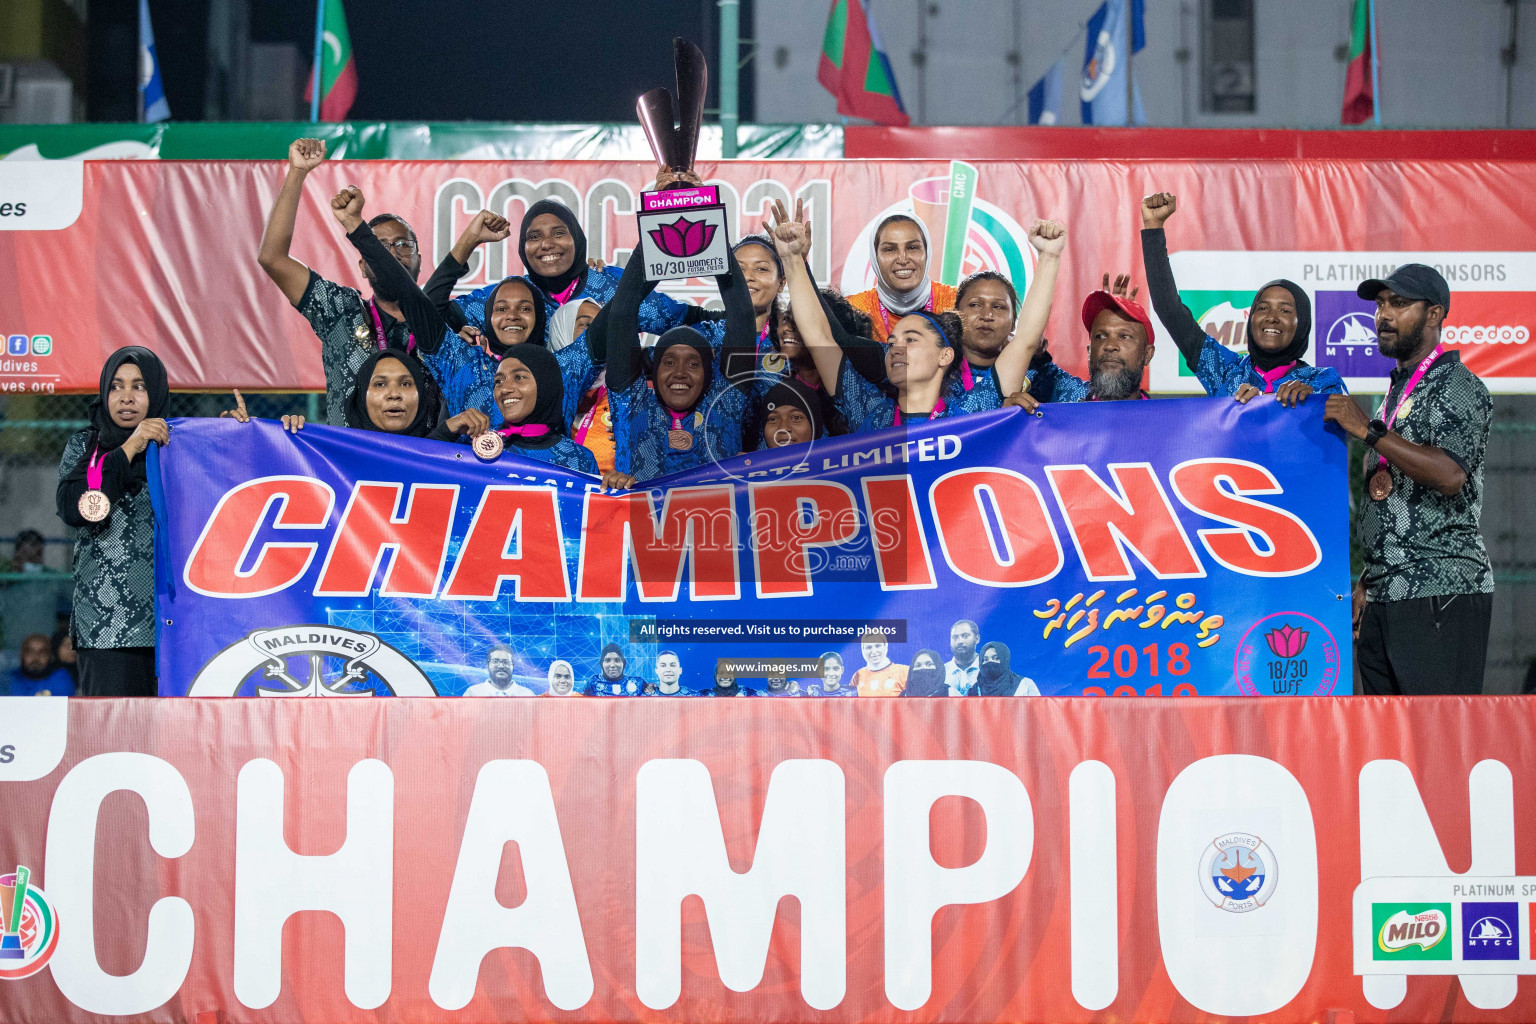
x,y
347,207
1049,237
1157,208
489,227
306,154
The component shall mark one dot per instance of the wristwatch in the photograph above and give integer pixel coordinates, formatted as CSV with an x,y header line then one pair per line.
x,y
1374,431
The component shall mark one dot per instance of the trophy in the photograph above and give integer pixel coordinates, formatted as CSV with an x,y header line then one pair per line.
x,y
682,227
13,898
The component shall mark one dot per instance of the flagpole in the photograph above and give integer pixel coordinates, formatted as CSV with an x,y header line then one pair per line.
x,y
1130,84
143,7
315,77
1375,69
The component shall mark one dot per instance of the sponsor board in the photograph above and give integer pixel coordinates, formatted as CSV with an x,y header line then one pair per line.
x,y
1447,924
41,196
1491,320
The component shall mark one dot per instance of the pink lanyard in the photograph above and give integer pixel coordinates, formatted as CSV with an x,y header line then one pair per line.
x,y
587,420
562,297
938,410
966,380
524,430
762,337
1413,382
885,318
93,470
378,330
677,419
1271,377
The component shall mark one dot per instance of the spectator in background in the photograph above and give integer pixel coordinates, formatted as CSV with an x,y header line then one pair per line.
x,y
782,686
102,494
668,673
348,328
562,679
997,677
899,252
926,676
35,605
64,655
727,686
499,664
961,669
38,675
1424,602
879,677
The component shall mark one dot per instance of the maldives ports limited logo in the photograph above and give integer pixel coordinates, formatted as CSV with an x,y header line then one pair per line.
x,y
29,926
967,234
1239,872
1411,931
311,661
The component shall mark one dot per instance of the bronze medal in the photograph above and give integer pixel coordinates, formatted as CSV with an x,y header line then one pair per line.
x,y
1380,484
1404,409
94,506
487,446
773,362
679,440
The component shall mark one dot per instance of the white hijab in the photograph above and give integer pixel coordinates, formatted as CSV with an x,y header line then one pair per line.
x,y
915,298
562,326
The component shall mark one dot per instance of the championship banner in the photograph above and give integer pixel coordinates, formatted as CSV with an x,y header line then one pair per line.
x,y
1169,548
899,862
78,241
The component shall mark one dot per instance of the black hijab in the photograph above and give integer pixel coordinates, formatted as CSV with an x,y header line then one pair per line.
x,y
110,436
1293,352
553,285
694,340
429,399
995,679
790,391
535,337
926,682
551,394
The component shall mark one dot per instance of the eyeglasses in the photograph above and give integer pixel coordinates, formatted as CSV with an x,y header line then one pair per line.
x,y
404,246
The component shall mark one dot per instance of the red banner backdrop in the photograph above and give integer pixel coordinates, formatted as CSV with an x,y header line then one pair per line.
x,y
1058,860
163,253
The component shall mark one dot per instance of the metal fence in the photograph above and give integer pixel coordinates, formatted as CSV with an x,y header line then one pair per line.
x,y
34,429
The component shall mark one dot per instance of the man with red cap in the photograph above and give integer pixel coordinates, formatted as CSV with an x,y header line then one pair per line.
x,y
1120,340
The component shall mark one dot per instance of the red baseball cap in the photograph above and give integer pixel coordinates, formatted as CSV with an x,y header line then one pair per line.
x,y
1101,300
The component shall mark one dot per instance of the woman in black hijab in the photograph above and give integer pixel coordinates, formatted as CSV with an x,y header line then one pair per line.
x,y
553,248
790,413
996,677
102,494
925,676
393,393
528,390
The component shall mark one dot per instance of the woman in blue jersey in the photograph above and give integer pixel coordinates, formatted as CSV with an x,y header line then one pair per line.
x,y
924,352
529,394
790,413
674,408
1279,328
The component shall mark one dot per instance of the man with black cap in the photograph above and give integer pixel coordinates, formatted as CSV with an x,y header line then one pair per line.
x,y
1424,601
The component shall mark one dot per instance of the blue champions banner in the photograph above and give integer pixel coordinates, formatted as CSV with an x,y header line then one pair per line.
x,y
1177,547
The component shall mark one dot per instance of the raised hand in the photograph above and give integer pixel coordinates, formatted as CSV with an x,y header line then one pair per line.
x,y
667,177
347,207
1157,208
471,335
489,227
1049,237
791,237
306,154
1118,288
238,413
596,264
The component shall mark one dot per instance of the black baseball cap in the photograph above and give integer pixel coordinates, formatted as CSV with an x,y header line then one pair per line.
x,y
1411,281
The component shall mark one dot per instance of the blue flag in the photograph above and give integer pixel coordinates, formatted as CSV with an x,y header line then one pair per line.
x,y
1104,62
152,104
1045,95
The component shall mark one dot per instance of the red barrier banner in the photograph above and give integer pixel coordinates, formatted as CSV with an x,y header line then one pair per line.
x,y
1051,860
94,255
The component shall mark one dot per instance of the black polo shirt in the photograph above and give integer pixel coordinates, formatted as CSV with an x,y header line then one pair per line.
x,y
1418,542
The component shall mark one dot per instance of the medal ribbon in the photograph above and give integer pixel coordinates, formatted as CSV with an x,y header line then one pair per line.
x,y
885,318
762,338
524,430
938,410
93,470
1413,382
378,330
580,435
562,297
677,419
1272,377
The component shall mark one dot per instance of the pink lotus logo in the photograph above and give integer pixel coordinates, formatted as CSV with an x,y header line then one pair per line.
x,y
1287,641
683,237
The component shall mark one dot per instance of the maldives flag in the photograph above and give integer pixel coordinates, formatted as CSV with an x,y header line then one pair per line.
x,y
338,74
1359,101
854,68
